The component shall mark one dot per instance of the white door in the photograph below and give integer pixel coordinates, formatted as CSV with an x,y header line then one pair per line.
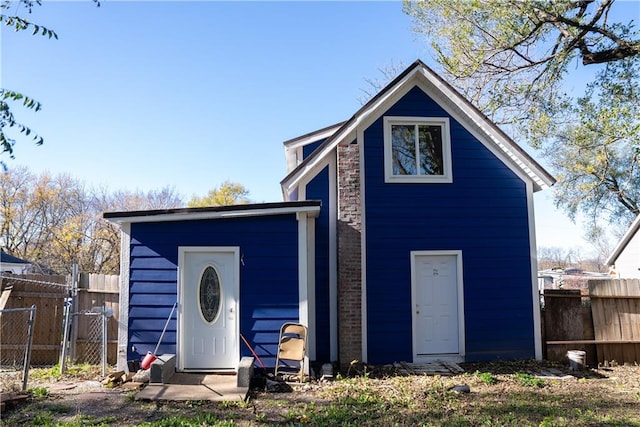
x,y
208,315
436,320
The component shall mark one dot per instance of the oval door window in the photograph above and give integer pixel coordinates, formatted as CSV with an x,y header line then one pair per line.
x,y
210,294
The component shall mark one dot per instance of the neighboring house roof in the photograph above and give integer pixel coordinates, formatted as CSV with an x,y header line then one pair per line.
x,y
213,212
449,99
10,259
622,244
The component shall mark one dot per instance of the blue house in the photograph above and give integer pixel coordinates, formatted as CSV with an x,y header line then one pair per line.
x,y
406,234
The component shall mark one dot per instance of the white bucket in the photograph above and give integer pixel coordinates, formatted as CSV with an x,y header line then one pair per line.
x,y
576,359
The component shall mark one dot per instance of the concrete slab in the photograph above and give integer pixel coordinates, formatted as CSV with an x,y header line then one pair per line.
x,y
191,386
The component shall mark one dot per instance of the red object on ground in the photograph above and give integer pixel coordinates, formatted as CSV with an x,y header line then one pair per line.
x,y
147,361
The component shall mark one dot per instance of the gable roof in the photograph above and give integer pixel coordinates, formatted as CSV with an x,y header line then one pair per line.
x,y
312,136
456,106
624,241
10,259
291,146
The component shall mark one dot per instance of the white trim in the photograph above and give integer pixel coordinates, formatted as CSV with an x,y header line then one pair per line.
x,y
312,137
461,325
535,292
302,191
450,101
189,216
497,149
483,124
443,123
292,157
333,257
306,285
302,196
311,288
344,133
123,318
363,249
293,153
182,251
303,303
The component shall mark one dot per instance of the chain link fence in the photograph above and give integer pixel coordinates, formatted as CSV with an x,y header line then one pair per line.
x,y
90,347
73,325
16,336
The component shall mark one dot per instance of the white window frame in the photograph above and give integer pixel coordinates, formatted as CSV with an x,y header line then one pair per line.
x,y
443,122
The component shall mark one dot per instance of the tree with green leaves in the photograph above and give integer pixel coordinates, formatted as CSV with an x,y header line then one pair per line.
x,y
512,58
596,149
228,193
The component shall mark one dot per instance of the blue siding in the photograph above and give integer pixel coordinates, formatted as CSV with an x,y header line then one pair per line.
x,y
310,148
268,278
483,213
318,189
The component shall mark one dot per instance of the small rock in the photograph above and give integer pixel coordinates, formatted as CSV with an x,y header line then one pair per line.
x,y
142,376
460,388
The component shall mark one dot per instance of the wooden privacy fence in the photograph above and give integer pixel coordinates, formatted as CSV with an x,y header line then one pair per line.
x,y
47,293
603,320
615,305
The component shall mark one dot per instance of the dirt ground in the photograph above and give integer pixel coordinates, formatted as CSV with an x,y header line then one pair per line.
x,y
85,401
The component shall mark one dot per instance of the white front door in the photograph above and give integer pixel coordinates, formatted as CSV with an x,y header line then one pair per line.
x,y
208,316
437,305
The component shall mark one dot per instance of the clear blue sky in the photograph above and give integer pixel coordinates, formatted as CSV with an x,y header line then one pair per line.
x,y
143,95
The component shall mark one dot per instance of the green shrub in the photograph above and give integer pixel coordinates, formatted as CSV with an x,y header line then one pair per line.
x,y
486,377
529,380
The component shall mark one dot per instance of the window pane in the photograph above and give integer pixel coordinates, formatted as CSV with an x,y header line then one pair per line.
x,y
403,148
431,160
210,294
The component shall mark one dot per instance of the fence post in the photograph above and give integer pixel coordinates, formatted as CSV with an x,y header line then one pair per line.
x,y
68,304
27,356
73,333
65,334
104,340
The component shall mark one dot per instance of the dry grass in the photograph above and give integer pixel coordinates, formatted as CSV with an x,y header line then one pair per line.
x,y
501,394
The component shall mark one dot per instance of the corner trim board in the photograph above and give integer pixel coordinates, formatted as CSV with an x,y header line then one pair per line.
x,y
333,257
535,293
123,320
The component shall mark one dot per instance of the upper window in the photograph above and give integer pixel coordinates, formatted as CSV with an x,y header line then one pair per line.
x,y
417,149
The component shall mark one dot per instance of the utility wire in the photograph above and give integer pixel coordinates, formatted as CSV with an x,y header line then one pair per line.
x,y
40,282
